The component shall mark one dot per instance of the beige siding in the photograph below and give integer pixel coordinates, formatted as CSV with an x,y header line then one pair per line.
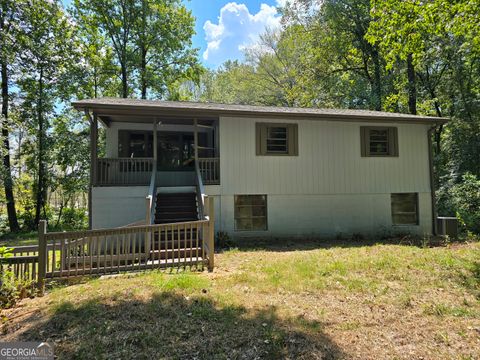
x,y
329,161
118,205
328,188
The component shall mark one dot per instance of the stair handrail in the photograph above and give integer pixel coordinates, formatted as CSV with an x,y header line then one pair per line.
x,y
150,199
200,192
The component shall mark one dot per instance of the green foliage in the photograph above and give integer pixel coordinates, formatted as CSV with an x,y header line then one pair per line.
x,y
222,240
146,42
12,289
466,200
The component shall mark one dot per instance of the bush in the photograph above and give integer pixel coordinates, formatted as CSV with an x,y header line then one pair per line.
x,y
222,240
465,198
74,219
12,289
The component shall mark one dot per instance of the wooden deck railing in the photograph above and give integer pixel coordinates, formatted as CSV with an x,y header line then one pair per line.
x,y
124,171
200,191
210,170
23,263
138,171
78,253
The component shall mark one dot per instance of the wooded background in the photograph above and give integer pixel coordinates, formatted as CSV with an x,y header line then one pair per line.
x,y
418,57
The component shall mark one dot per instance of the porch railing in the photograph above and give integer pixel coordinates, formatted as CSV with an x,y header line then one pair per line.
x,y
210,170
124,171
138,171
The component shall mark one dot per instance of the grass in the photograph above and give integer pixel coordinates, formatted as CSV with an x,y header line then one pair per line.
x,y
19,239
309,300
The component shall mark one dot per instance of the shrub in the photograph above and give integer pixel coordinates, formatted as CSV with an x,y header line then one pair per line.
x,y
222,240
466,200
12,288
74,219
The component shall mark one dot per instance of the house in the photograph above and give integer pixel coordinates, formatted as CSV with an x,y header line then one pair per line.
x,y
272,171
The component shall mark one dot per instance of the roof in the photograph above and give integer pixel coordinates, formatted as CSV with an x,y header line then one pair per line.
x,y
116,108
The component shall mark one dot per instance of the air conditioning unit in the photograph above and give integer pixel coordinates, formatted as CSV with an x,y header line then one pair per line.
x,y
447,226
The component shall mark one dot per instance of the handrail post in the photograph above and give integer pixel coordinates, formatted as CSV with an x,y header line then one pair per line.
x,y
42,256
148,222
211,233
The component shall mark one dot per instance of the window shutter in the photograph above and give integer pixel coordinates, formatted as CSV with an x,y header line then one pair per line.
x,y
364,141
258,138
261,138
292,130
393,138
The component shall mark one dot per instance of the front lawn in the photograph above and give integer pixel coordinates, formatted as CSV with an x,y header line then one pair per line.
x,y
363,301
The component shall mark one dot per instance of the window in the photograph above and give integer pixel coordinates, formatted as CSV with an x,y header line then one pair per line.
x,y
277,139
379,141
404,209
250,212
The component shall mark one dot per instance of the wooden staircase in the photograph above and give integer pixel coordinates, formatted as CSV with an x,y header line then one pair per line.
x,y
176,207
184,245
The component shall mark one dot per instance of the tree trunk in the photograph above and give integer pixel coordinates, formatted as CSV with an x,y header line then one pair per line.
x,y
143,52
7,179
41,174
377,89
412,87
124,80
143,72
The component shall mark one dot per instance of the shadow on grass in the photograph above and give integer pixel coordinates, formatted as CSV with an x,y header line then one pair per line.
x,y
168,325
303,244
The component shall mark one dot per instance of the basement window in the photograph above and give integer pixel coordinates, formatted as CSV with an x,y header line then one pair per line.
x,y
276,139
404,208
250,212
378,141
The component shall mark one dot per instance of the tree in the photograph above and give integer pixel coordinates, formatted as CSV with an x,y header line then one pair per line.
x,y
48,54
9,14
150,39
98,74
349,68
232,83
115,19
162,39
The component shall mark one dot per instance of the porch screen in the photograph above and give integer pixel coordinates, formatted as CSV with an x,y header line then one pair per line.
x,y
136,144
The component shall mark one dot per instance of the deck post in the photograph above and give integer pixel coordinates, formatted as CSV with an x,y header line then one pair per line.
x,y
42,256
155,140
211,233
148,222
93,163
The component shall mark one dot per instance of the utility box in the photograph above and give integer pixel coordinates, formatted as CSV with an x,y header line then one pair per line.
x,y
447,226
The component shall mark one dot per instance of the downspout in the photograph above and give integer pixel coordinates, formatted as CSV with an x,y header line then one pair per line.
x,y
432,178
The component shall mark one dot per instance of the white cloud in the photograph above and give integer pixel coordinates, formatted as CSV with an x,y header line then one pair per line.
x,y
236,30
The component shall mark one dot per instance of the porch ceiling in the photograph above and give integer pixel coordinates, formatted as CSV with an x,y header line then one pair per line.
x,y
107,119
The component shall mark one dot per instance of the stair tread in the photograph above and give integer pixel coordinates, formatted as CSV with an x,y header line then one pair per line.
x,y
176,249
173,207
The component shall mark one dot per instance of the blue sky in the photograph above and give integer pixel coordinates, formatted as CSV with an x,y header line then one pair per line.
x,y
224,28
